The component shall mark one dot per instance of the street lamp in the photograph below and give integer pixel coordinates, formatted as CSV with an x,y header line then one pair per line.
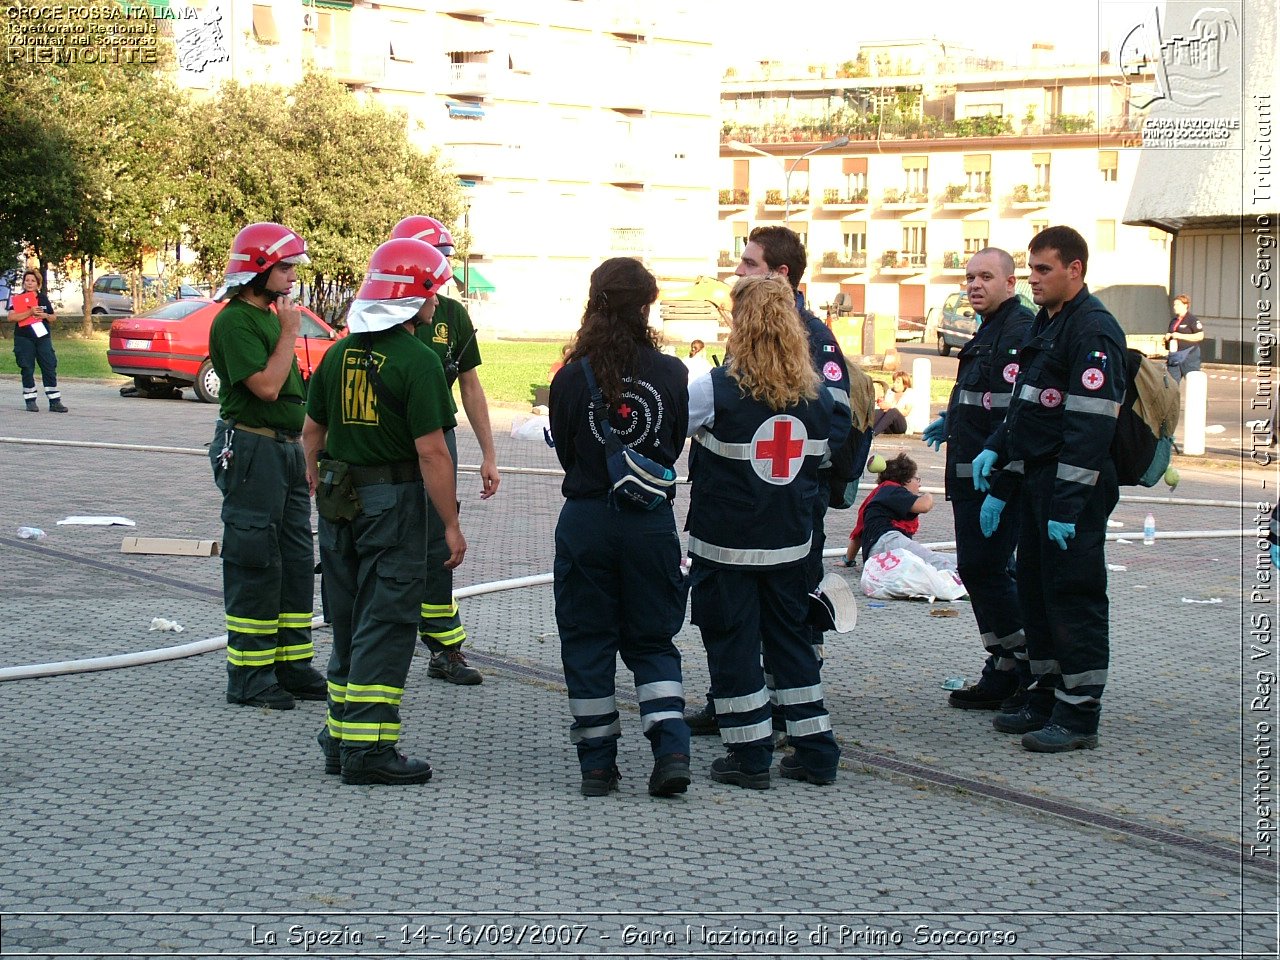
x,y
789,168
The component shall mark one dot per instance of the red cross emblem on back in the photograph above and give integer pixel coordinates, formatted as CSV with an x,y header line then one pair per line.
x,y
777,449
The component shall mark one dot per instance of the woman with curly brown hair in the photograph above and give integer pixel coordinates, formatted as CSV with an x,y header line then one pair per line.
x,y
618,585
760,426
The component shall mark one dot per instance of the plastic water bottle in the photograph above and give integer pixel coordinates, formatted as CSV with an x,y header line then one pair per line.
x,y
30,533
1149,529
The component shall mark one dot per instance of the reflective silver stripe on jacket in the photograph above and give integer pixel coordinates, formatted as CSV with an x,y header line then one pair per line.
x,y
841,397
591,733
592,708
748,734
1099,405
1016,466
807,728
964,469
742,451
788,695
1029,393
750,701
971,398
1088,478
658,689
1000,400
748,558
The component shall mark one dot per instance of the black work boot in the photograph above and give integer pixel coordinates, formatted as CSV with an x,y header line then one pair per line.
x,y
57,406
703,723
273,697
332,750
982,695
670,775
599,783
303,681
31,407
382,765
448,663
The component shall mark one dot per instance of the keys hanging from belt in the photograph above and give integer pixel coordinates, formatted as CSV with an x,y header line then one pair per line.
x,y
226,453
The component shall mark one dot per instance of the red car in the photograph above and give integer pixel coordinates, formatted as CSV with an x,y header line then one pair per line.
x,y
168,347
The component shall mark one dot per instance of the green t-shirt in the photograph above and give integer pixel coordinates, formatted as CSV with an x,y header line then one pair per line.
x,y
451,335
361,429
240,343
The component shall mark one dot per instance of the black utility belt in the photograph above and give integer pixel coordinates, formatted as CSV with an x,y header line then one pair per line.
x,y
274,433
404,471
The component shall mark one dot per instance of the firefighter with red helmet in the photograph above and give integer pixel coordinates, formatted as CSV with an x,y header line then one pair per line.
x,y
375,429
452,336
268,562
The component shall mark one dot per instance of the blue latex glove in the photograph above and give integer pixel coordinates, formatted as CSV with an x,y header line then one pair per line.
x,y
982,465
989,515
935,434
1060,533
1275,555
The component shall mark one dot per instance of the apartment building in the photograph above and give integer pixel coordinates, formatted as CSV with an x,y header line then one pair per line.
x,y
580,129
940,162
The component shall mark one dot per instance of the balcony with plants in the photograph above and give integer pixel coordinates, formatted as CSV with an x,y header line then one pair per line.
x,y
1028,197
839,263
726,262
833,198
960,196
735,199
904,200
901,119
903,263
953,263
776,200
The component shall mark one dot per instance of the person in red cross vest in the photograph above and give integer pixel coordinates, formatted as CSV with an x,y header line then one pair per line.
x,y
760,426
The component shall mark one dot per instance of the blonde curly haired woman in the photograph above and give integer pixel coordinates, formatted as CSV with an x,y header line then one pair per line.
x,y
760,425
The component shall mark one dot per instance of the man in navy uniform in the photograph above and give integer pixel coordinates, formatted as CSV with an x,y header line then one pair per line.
x,y
1057,436
988,366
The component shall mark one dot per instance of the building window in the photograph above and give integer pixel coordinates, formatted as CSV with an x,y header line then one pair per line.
x,y
1042,174
264,24
401,49
917,180
977,233
1106,236
1109,164
855,240
914,237
1038,225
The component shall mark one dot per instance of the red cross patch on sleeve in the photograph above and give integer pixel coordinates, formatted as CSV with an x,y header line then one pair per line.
x,y
831,370
1093,379
1010,373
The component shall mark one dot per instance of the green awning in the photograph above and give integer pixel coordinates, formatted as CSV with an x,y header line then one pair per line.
x,y
475,280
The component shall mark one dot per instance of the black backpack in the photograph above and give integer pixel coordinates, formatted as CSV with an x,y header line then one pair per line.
x,y
1143,442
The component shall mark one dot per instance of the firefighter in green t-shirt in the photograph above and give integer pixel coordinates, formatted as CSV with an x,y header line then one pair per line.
x,y
268,561
377,414
451,335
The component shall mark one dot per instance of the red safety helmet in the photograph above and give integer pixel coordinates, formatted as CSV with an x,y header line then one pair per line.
x,y
255,250
403,274
427,229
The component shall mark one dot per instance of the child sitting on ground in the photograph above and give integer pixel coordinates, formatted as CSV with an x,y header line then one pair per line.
x,y
890,516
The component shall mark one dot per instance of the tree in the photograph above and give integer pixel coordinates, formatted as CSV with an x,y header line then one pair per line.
x,y
312,157
98,139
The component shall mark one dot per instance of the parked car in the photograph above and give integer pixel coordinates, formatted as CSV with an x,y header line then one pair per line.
x,y
112,295
168,347
958,322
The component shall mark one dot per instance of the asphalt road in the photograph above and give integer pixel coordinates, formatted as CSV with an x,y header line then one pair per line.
x,y
1231,391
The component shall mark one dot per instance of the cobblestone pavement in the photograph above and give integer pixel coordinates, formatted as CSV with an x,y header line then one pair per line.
x,y
147,817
